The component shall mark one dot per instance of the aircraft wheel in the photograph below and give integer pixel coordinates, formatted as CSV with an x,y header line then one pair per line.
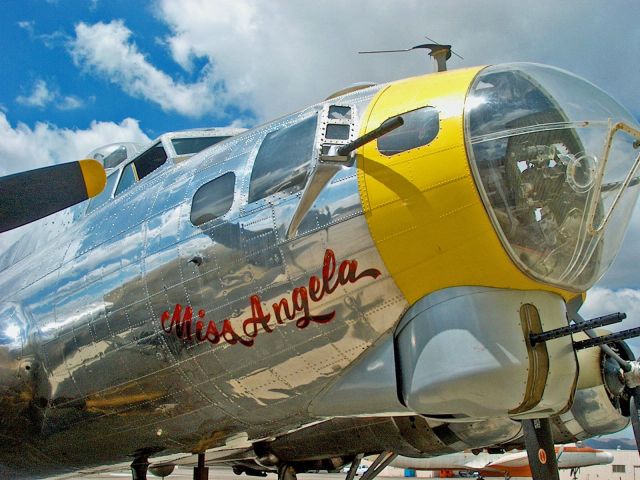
x,y
287,472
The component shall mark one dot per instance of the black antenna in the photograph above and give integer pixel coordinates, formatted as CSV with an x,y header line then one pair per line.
x,y
440,52
438,43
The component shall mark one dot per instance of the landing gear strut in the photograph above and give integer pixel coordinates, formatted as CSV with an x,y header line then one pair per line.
x,y
139,468
379,464
201,472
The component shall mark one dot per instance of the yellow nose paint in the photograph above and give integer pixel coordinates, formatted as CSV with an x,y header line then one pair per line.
x,y
422,206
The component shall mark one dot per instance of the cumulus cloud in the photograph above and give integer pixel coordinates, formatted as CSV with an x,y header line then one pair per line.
x,y
106,49
70,102
24,148
27,25
275,58
601,301
40,96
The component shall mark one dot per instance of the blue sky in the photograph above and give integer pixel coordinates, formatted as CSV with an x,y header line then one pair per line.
x,y
242,62
37,36
80,74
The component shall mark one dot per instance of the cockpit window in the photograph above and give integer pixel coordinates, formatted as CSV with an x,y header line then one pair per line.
x,y
105,195
116,157
213,199
420,127
148,161
283,160
127,179
142,166
186,146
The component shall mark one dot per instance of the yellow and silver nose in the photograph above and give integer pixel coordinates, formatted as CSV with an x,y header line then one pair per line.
x,y
518,176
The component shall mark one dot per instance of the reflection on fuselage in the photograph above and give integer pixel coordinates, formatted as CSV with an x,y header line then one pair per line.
x,y
105,378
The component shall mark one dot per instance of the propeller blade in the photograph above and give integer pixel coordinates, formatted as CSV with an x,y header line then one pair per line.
x,y
634,403
34,194
540,449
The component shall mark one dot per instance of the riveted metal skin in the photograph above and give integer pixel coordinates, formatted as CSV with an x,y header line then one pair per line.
x,y
131,333
105,380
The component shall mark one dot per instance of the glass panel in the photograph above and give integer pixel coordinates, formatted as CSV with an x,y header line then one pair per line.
x,y
283,160
185,146
339,113
213,199
337,132
116,157
105,195
127,179
150,160
420,127
535,137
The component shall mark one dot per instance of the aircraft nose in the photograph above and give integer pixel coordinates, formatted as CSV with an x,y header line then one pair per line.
x,y
554,158
421,202
604,457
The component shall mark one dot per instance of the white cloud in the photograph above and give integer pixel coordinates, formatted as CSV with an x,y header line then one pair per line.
x,y
27,25
106,49
24,148
70,103
40,97
43,95
276,57
601,301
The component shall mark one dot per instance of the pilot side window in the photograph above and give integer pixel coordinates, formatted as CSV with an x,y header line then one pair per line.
x,y
213,199
141,166
283,160
127,179
420,127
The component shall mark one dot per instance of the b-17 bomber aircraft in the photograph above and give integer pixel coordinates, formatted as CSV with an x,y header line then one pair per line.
x,y
396,270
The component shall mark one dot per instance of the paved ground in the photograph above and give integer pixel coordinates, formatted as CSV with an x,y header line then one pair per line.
x,y
182,473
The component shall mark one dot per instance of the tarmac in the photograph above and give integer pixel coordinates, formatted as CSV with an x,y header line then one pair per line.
x,y
216,473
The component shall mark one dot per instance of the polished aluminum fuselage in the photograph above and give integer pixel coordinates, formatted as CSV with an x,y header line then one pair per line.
x,y
93,379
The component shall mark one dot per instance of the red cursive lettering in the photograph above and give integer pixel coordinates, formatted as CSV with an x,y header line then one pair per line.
x,y
297,307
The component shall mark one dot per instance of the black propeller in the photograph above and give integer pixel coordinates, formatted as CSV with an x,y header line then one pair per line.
x,y
540,449
621,376
634,403
623,382
34,194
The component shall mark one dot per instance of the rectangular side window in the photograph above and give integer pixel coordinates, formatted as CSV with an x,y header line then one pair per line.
x,y
283,160
186,146
213,199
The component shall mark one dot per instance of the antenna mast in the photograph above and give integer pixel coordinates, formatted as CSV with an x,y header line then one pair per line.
x,y
441,53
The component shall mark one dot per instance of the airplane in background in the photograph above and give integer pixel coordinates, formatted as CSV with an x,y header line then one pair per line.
x,y
506,465
396,270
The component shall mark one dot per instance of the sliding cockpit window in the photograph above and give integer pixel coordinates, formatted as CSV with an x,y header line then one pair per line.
x,y
213,199
141,166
